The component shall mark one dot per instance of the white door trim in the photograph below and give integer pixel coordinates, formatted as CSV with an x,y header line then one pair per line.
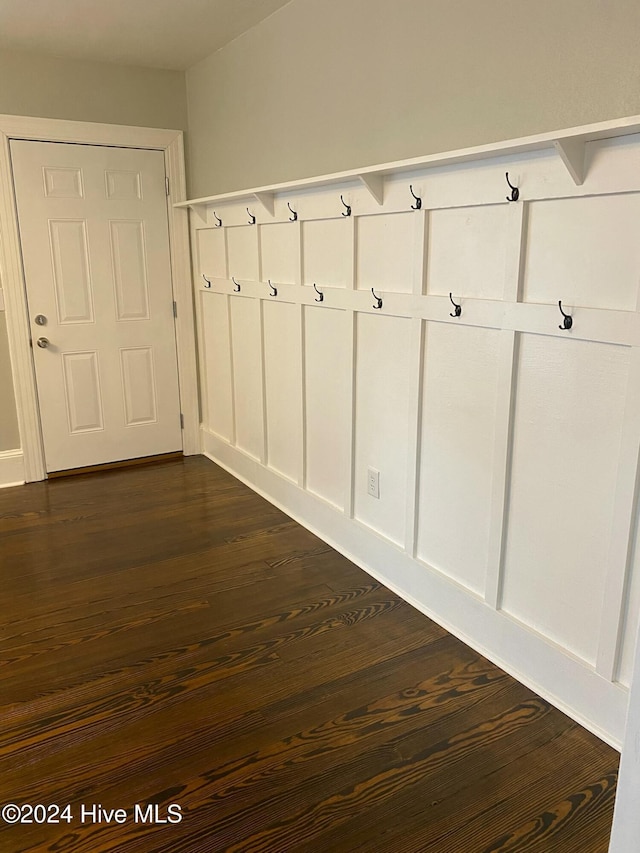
x,y
12,277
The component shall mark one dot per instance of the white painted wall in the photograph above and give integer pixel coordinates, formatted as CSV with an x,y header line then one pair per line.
x,y
505,444
324,85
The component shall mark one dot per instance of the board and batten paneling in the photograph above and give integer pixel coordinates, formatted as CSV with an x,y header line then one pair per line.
x,y
569,405
327,402
506,444
218,396
327,252
389,251
283,387
460,388
592,260
467,250
246,336
381,422
280,251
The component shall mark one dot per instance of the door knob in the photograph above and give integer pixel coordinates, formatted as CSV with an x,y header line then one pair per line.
x,y
43,342
40,320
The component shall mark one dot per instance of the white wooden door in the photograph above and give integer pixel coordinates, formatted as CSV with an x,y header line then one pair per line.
x,y
93,228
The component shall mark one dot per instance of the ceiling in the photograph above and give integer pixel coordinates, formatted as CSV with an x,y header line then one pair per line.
x,y
153,33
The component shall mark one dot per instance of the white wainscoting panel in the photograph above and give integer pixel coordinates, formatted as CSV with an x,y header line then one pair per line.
x,y
631,613
381,419
283,387
242,245
460,388
567,428
584,251
212,255
327,402
280,248
388,251
246,336
327,252
218,409
467,250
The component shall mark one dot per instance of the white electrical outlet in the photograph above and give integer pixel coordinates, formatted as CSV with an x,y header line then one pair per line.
x,y
373,482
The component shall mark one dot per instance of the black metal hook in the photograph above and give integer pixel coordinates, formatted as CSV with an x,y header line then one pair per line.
x,y
457,309
252,219
567,323
236,284
274,290
346,212
295,215
207,280
319,292
378,300
515,192
418,203
219,222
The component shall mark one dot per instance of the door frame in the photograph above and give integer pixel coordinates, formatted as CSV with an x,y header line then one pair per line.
x,y
12,279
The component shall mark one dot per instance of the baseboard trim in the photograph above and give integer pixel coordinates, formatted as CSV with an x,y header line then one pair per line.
x,y
11,468
550,671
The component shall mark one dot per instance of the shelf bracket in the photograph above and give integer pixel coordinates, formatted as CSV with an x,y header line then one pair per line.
x,y
572,153
266,200
201,211
375,185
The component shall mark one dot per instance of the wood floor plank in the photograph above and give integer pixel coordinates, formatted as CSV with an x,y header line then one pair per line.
x,y
167,636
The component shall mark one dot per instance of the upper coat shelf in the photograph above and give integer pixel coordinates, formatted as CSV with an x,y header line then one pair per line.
x,y
569,144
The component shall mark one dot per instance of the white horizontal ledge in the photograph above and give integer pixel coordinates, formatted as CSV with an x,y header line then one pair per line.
x,y
569,144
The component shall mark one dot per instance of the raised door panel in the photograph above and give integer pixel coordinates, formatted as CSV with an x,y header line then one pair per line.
x,y
283,387
123,184
128,257
63,182
71,270
82,391
568,416
382,421
460,388
327,355
139,385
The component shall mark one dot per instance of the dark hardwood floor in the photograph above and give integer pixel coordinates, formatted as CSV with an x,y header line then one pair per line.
x,y
168,637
